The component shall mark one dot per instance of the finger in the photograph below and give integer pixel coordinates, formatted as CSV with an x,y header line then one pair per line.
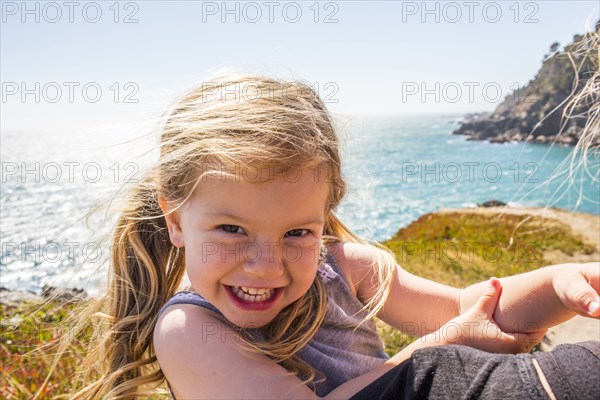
x,y
489,298
583,297
591,274
594,309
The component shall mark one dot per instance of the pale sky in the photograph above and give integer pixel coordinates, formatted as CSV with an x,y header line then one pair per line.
x,y
67,67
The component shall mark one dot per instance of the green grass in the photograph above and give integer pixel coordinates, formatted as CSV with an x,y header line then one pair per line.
x,y
25,364
29,330
460,249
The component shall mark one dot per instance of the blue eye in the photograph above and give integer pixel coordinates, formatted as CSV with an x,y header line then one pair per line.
x,y
230,228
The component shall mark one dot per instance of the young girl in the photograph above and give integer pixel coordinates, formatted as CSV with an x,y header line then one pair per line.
x,y
282,293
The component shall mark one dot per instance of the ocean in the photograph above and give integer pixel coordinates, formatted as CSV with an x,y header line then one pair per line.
x,y
398,168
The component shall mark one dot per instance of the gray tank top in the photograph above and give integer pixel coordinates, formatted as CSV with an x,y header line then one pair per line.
x,y
336,351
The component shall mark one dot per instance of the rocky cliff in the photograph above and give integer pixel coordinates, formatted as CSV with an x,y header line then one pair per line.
x,y
535,112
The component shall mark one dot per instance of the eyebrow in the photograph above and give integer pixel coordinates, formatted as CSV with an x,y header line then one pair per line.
x,y
245,221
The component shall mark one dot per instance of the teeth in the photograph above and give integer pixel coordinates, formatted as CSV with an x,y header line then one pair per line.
x,y
254,291
252,294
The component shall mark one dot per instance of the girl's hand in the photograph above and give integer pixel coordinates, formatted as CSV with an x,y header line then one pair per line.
x,y
577,286
476,328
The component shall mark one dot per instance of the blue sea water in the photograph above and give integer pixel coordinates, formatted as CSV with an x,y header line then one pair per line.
x,y
397,168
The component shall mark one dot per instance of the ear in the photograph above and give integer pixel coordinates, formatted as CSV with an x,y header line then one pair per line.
x,y
173,225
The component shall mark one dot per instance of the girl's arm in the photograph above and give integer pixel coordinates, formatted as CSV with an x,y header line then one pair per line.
x,y
531,302
350,388
542,298
416,306
201,359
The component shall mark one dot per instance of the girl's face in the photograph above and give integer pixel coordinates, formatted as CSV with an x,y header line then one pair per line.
x,y
251,249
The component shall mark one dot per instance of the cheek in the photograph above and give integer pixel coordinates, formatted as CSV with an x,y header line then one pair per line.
x,y
202,266
197,273
210,249
302,263
302,253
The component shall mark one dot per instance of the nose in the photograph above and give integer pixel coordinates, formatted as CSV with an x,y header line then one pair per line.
x,y
264,260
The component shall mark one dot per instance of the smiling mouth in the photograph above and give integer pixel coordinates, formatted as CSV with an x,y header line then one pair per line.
x,y
252,294
254,299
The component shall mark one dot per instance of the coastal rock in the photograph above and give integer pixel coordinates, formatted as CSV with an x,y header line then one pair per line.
x,y
534,113
491,203
63,294
12,297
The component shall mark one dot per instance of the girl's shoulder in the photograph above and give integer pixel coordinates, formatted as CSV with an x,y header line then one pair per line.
x,y
188,296
197,351
355,261
186,308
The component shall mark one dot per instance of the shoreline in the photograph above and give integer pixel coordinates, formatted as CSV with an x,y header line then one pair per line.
x,y
13,298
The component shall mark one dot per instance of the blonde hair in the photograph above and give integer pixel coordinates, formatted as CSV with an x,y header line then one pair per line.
x,y
232,120
585,103
581,110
